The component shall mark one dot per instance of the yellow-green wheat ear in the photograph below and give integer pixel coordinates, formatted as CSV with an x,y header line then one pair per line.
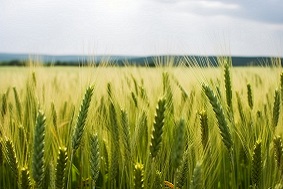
x,y
222,123
276,108
18,104
126,134
278,152
81,120
182,171
204,128
139,176
228,87
281,86
1,152
38,149
257,164
179,143
25,179
61,168
4,105
11,158
250,96
197,180
94,158
156,137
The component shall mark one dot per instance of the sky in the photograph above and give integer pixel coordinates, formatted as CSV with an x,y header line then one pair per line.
x,y
142,27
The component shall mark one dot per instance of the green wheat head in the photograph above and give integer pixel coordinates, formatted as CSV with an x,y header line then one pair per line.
x,y
94,157
11,158
197,180
257,164
61,168
139,176
25,179
182,171
278,151
250,96
222,123
38,149
179,143
81,120
156,137
18,104
204,128
228,87
276,108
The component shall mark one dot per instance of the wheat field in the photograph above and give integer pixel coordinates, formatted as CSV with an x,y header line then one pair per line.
x,y
140,127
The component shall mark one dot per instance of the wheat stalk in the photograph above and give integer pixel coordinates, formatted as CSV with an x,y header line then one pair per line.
x,y
222,123
38,149
156,137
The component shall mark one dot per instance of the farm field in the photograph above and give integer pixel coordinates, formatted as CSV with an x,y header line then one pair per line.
x,y
141,127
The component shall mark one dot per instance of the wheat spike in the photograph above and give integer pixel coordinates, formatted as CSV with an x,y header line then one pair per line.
x,y
182,171
38,149
81,120
179,143
257,164
222,123
138,176
94,157
11,158
204,128
1,152
156,137
278,152
25,179
197,181
18,104
281,86
250,97
61,168
228,87
276,108
126,136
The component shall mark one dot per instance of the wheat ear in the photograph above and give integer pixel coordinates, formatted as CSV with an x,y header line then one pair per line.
x,y
197,180
276,108
250,97
204,128
11,158
156,137
228,87
81,120
182,171
25,179
94,158
222,123
61,168
256,164
278,152
38,149
18,104
138,176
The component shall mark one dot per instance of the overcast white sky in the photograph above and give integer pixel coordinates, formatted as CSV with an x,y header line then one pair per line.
x,y
142,27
